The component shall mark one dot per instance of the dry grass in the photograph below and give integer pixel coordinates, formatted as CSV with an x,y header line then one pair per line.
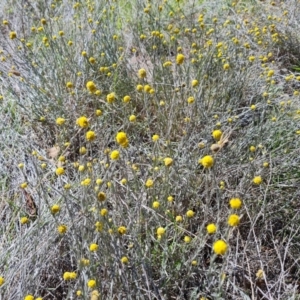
x,y
231,51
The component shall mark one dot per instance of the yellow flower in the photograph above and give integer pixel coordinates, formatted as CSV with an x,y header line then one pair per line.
x,y
178,219
160,231
82,150
114,155
211,228
270,73
60,171
155,204
122,230
121,139
99,226
217,134
101,196
69,275
220,247
12,35
265,164
90,85
226,66
82,122
103,212
60,121
86,182
24,220
233,220
179,59
55,208
62,229
28,297
190,100
251,58
235,203
257,180
132,118
69,84
92,60
93,247
155,137
253,107
195,83
149,183
98,112
124,260
91,283
110,98
126,99
187,239
24,185
207,161
190,213
139,88
168,161
260,274
90,135
2,280
252,149
142,73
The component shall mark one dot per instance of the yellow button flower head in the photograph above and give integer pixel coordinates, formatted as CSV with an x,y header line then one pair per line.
x,y
60,171
2,280
12,35
90,135
142,73
257,180
124,260
28,297
82,122
69,84
103,212
211,228
149,183
168,161
155,137
220,247
86,182
60,121
69,275
55,208
160,231
226,66
233,220
179,59
155,204
93,247
121,139
24,185
114,155
126,99
217,134
24,220
132,118
90,85
207,161
62,229
195,83
190,213
91,283
122,230
187,239
235,203
110,98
